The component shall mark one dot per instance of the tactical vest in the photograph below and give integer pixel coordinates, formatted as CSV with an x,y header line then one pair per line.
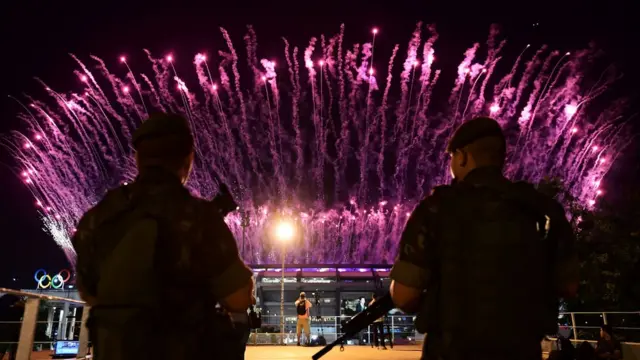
x,y
492,272
147,308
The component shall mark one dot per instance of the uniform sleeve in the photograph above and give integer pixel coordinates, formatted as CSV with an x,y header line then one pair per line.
x,y
82,240
411,267
216,255
567,265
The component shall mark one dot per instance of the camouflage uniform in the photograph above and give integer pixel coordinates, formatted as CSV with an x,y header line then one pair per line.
x,y
155,299
483,301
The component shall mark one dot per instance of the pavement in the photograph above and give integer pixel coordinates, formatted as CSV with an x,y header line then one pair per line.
x,y
403,352
266,352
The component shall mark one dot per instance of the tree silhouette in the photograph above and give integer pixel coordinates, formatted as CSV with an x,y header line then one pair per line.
x,y
608,246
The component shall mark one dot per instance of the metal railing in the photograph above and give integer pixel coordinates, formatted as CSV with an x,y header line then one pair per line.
x,y
586,325
26,343
398,328
578,326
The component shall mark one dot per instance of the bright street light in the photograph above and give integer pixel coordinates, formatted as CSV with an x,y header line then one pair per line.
x,y
284,231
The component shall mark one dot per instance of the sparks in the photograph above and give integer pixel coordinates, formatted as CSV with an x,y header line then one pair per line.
x,y
430,58
317,140
570,110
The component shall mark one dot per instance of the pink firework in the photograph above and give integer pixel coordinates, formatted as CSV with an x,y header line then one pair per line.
x,y
316,143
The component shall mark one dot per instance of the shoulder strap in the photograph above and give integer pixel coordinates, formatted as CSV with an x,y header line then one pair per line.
x,y
129,209
115,227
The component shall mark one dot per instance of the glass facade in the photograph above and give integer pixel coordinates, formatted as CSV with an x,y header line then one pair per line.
x,y
332,291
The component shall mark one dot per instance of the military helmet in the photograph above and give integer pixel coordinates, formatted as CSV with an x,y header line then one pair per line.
x,y
472,130
163,125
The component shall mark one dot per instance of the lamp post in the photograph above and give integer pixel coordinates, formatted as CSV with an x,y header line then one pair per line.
x,y
284,232
244,223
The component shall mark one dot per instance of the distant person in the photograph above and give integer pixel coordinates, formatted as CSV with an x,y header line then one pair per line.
x,y
154,261
567,350
477,252
303,307
378,328
586,352
11,313
360,306
363,336
608,347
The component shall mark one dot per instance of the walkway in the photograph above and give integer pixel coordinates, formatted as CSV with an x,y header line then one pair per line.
x,y
406,352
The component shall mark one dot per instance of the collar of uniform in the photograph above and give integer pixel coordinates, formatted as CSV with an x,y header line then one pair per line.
x,y
484,175
157,174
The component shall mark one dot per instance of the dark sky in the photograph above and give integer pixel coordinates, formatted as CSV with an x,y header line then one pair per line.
x,y
37,36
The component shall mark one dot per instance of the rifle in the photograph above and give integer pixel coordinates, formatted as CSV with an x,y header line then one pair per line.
x,y
365,318
224,201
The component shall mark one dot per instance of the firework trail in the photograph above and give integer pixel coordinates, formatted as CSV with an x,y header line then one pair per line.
x,y
338,152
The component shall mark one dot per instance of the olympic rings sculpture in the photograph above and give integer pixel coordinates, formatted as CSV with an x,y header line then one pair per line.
x,y
46,281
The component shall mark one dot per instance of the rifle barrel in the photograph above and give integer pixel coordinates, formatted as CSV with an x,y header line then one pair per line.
x,y
359,322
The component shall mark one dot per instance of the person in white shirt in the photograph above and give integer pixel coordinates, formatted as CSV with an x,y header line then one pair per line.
x,y
302,309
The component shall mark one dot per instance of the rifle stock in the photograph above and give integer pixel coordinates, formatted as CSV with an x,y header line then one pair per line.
x,y
359,322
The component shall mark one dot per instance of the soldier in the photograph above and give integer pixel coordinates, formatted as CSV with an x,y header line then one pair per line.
x,y
483,261
154,262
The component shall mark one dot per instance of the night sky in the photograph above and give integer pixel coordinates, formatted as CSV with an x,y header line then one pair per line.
x,y
38,35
